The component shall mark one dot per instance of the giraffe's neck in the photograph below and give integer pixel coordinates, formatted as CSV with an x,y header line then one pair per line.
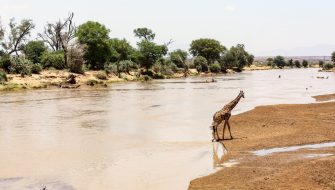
x,y
233,103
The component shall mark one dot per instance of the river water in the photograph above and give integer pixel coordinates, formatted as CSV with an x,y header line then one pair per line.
x,y
132,135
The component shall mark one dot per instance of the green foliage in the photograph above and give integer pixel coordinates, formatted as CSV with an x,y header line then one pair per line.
x,y
333,57
5,63
120,50
269,62
215,68
321,63
94,36
3,77
297,64
178,57
144,33
208,48
36,68
279,61
328,66
53,59
126,66
201,64
149,53
305,63
290,63
17,36
21,66
165,67
34,50
236,58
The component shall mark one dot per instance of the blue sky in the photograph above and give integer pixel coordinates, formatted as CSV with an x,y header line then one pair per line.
x,y
264,26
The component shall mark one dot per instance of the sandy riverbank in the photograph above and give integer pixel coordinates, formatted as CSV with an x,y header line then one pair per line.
x,y
278,126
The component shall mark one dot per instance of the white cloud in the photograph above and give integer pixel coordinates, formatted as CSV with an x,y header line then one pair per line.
x,y
229,8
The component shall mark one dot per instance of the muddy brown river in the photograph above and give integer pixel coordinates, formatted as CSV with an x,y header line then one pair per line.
x,y
132,135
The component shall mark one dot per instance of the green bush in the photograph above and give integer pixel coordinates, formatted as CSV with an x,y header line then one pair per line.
x,y
126,66
21,66
215,68
5,63
111,69
34,50
201,64
328,66
158,76
36,68
53,59
3,77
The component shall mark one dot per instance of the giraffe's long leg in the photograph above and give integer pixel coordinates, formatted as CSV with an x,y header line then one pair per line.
x,y
224,128
231,137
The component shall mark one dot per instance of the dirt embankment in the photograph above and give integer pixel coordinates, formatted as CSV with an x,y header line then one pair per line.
x,y
278,126
326,97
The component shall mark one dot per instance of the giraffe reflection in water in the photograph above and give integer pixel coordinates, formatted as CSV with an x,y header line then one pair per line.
x,y
219,152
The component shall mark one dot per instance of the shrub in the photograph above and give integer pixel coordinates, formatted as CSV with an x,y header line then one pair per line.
x,y
76,60
3,77
53,59
297,63
328,66
111,68
215,68
305,63
21,66
34,50
101,76
321,63
126,66
36,68
201,64
158,76
5,63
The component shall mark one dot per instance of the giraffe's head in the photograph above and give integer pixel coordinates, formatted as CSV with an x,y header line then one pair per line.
x,y
242,93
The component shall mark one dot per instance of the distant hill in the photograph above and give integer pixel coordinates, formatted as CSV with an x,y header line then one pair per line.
x,y
313,51
312,59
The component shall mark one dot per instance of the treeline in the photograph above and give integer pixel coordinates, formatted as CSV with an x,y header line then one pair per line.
x,y
63,45
280,62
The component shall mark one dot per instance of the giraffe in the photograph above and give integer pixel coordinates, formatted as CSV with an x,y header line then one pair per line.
x,y
224,115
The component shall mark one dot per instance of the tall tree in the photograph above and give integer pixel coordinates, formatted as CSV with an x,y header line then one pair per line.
x,y
279,61
94,36
333,57
144,33
18,35
149,53
208,48
60,35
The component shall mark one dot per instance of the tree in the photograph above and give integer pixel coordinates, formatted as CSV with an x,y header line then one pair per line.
x,y
290,63
34,50
94,36
149,52
178,57
60,35
144,33
305,63
236,58
120,50
333,57
269,62
17,36
297,63
208,48
279,61
250,59
321,63
201,64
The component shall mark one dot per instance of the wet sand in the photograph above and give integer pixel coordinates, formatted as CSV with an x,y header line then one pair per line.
x,y
278,126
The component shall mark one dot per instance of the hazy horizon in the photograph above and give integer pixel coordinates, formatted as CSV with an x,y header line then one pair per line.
x,y
299,28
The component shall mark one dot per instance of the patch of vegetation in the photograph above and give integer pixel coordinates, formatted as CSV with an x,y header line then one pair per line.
x,y
215,68
328,66
3,77
101,76
53,59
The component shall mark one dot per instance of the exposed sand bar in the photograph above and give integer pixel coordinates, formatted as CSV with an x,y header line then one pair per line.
x,y
278,126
